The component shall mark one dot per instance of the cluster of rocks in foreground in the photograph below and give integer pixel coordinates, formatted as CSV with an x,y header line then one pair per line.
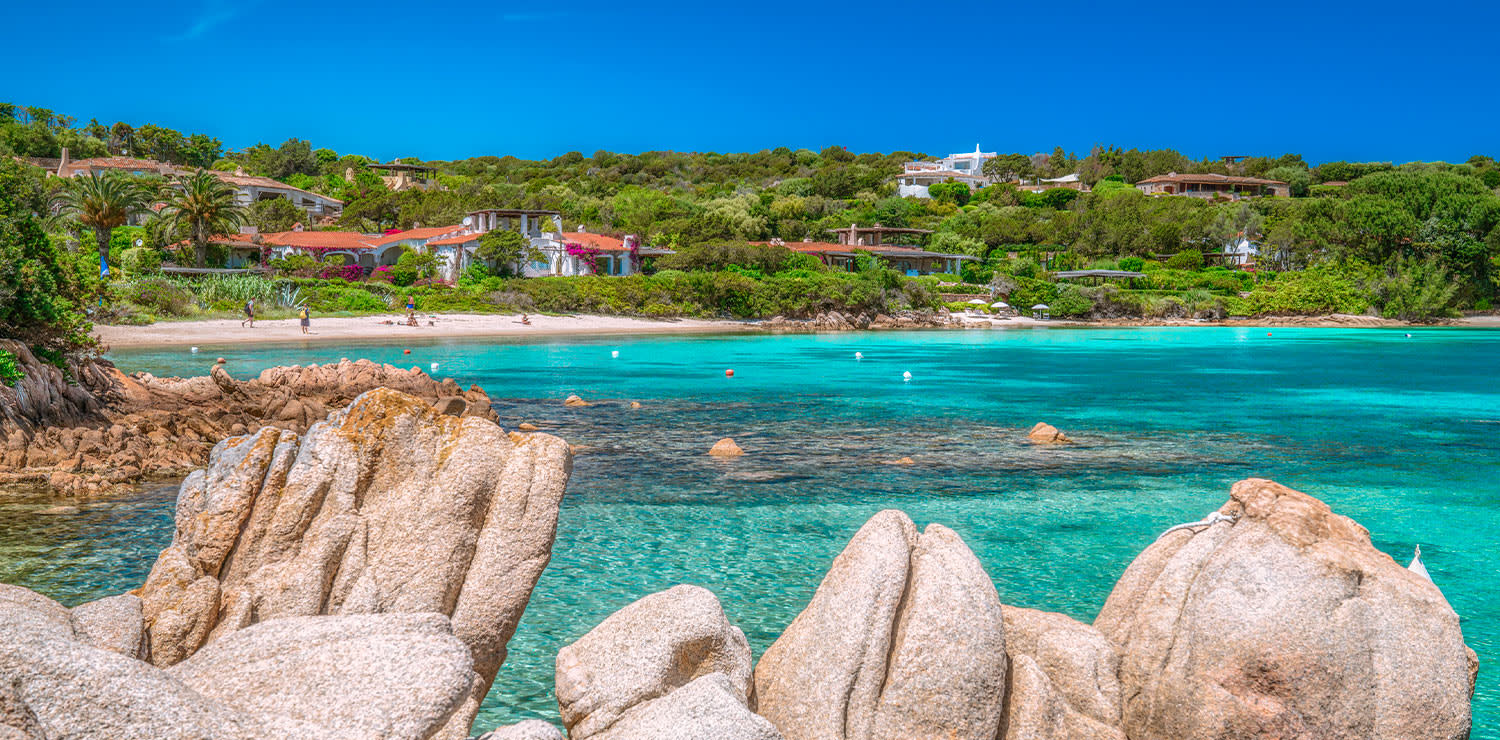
x,y
1278,620
96,429
363,580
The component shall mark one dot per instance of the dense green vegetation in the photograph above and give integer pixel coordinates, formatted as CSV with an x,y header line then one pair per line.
x,y
1413,241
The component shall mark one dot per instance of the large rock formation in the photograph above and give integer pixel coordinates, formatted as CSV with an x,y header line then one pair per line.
x,y
637,660
387,506
903,638
108,429
1284,622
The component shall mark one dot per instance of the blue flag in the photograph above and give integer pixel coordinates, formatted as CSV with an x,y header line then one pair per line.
x,y
103,267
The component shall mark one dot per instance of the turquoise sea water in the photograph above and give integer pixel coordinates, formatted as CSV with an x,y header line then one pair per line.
x,y
1399,433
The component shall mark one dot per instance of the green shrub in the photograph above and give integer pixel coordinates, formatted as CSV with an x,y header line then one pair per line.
x,y
141,261
474,275
1132,264
10,369
1318,290
1187,259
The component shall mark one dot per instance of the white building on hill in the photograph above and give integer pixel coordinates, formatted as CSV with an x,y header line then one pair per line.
x,y
967,168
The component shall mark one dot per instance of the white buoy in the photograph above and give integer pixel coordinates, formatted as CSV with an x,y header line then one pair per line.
x,y
194,350
615,353
859,355
906,375
434,367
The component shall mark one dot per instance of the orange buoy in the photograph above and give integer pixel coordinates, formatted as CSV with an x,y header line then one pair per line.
x,y
406,351
728,373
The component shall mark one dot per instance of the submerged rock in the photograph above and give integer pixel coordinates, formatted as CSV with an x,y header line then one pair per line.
x,y
1285,622
903,638
725,448
575,401
1046,434
645,651
386,507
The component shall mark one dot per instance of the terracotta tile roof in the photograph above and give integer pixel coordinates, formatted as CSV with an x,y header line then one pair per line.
x,y
119,163
455,239
424,233
596,241
232,239
319,239
1210,178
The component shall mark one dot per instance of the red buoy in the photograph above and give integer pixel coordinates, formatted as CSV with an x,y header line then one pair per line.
x,y
728,373
406,351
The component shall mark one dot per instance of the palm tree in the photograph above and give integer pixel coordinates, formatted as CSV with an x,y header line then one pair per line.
x,y
102,202
204,205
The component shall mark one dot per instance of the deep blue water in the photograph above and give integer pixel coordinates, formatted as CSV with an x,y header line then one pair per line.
x,y
1397,432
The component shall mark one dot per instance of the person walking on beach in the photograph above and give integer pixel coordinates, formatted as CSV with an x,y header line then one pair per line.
x,y
249,314
303,317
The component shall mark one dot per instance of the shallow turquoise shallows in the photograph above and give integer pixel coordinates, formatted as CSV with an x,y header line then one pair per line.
x,y
1397,432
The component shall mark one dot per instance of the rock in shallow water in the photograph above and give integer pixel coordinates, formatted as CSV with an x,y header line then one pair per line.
x,y
531,729
649,649
1286,622
386,507
725,448
903,638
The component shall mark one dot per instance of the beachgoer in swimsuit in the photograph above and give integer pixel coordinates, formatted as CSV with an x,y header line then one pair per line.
x,y
249,314
525,319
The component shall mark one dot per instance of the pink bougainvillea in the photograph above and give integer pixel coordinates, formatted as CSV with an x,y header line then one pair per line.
x,y
588,255
345,272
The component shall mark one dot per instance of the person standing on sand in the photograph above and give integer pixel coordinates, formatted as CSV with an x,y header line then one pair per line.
x,y
303,317
249,314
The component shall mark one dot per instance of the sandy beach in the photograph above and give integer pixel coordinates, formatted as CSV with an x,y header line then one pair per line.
x,y
391,326
383,327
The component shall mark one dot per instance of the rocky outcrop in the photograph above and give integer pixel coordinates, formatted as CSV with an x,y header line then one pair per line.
x,y
113,429
1283,621
1062,683
575,401
1046,434
726,447
903,638
375,676
385,507
649,650
837,321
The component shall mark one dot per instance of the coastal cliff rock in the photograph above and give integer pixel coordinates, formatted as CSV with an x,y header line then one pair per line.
x,y
385,507
648,650
1063,682
903,638
396,677
111,429
1284,622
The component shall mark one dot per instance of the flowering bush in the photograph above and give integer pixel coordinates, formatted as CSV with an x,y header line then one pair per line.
x,y
588,255
342,272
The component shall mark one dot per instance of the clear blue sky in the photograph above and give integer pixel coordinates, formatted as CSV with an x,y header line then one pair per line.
x,y
444,79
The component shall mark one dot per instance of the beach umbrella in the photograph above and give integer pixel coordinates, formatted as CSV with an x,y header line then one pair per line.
x,y
977,301
999,304
1041,307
